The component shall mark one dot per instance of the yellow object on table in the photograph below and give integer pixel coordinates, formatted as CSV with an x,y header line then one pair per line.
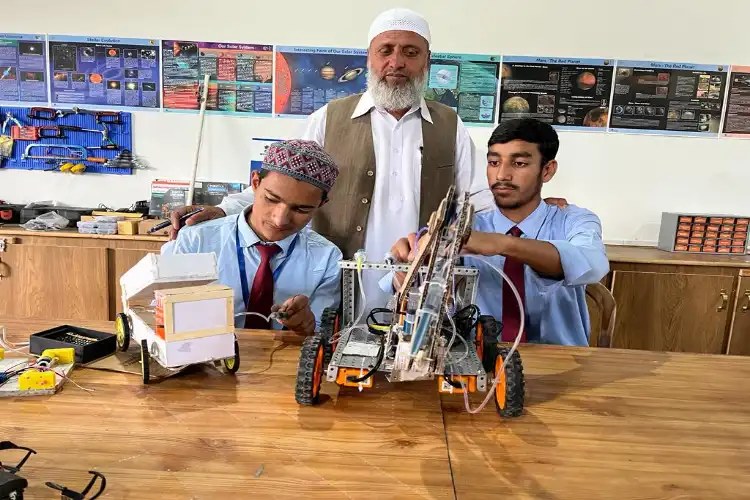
x,y
64,355
32,380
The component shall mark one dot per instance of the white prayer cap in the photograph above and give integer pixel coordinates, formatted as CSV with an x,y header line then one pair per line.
x,y
400,20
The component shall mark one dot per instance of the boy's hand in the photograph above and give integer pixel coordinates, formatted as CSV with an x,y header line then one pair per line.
x,y
296,315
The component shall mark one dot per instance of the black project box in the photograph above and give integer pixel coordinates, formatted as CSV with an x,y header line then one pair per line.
x,y
99,345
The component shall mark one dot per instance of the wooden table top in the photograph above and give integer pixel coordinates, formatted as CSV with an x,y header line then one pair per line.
x,y
599,423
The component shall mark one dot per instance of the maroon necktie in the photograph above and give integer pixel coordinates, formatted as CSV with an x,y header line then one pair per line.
x,y
511,314
261,293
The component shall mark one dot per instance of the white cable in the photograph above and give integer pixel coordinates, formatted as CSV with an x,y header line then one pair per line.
x,y
450,344
501,371
9,346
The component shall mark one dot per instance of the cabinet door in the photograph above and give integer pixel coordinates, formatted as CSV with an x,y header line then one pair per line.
x,y
671,312
739,335
123,260
60,283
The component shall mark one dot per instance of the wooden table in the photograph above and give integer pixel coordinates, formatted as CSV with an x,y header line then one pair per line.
x,y
598,424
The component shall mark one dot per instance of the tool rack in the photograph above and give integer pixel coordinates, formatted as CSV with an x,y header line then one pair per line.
x,y
120,134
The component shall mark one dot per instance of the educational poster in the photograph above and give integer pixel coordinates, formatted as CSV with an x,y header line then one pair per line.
x,y
23,68
668,98
737,118
466,83
564,92
258,146
308,78
241,81
104,71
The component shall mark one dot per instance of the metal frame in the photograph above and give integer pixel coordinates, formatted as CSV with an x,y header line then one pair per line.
x,y
349,280
465,294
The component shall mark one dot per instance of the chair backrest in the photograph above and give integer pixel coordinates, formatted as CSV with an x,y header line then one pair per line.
x,y
604,300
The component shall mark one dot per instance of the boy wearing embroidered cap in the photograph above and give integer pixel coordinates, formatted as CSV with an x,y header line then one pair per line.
x,y
274,262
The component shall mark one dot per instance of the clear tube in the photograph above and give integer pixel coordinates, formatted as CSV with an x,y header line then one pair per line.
x,y
512,349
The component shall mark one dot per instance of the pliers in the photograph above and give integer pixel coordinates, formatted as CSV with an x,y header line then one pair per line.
x,y
10,118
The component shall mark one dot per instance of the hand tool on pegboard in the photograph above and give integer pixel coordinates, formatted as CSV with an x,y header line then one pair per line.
x,y
6,141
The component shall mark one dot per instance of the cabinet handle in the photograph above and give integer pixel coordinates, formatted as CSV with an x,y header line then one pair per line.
x,y
747,304
724,300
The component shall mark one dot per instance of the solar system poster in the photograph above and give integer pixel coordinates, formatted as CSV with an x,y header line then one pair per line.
x,y
668,98
737,119
241,77
566,93
104,71
467,83
23,68
308,78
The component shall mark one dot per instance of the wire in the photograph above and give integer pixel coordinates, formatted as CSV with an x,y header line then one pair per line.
x,y
9,346
501,371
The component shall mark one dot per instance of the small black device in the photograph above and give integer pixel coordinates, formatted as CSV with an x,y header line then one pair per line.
x,y
166,223
11,484
89,345
68,494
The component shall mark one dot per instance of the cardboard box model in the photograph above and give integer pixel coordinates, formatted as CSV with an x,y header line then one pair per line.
x,y
192,320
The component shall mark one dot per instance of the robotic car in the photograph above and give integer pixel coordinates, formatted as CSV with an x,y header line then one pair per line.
x,y
432,330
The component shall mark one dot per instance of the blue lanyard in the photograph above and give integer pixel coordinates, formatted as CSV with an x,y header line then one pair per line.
x,y
241,262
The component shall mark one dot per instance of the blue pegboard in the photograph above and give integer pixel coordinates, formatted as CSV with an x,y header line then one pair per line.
x,y
119,134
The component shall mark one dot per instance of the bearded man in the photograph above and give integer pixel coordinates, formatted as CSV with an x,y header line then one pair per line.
x,y
397,153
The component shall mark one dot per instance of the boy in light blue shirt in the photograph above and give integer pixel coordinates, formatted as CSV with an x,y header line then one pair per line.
x,y
266,253
550,253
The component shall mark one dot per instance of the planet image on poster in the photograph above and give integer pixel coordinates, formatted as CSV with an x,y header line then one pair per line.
x,y
586,80
443,77
351,75
87,51
596,117
327,72
131,85
113,53
95,78
507,72
516,104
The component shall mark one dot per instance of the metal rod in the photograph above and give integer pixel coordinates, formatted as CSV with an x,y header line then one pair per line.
x,y
202,115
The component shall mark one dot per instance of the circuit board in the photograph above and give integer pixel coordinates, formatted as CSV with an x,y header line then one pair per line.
x,y
10,387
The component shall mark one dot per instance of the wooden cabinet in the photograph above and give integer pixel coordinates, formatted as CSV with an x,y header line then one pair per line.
x,y
739,333
663,311
67,276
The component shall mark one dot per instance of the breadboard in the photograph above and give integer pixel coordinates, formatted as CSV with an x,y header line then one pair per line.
x,y
120,134
10,388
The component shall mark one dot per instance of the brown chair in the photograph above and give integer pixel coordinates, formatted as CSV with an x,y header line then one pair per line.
x,y
605,303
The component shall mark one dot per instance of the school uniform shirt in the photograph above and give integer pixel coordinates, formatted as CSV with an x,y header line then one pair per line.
x,y
395,200
555,310
311,268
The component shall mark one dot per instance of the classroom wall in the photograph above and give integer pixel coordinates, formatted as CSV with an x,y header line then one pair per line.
x,y
628,180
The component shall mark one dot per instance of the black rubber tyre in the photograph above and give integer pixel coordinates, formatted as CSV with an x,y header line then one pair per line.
x,y
231,365
490,338
145,360
122,329
310,370
329,326
510,404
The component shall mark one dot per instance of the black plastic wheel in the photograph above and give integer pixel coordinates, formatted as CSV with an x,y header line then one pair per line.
x,y
231,365
510,390
122,329
310,370
488,329
330,324
145,360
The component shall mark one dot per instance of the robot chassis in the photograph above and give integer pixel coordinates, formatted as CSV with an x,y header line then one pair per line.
x,y
417,343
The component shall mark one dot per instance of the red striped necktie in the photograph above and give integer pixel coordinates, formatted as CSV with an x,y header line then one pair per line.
x,y
511,314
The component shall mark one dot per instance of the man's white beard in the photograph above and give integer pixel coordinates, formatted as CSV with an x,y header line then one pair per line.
x,y
399,97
